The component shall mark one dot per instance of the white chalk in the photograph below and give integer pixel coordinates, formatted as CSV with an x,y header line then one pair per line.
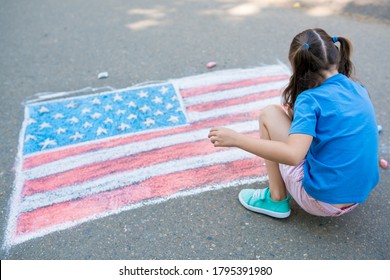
x,y
103,75
379,128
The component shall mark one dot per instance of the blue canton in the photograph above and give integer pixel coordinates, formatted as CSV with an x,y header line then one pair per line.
x,y
76,120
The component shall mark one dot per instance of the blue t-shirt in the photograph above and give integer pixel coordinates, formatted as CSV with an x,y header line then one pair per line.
x,y
342,162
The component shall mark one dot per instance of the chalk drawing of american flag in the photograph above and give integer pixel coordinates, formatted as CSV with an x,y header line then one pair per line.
x,y
86,157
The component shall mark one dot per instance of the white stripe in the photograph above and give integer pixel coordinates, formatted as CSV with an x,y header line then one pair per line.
x,y
115,181
235,109
126,150
233,93
54,95
233,75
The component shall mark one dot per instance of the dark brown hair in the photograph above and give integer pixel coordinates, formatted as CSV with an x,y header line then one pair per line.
x,y
312,51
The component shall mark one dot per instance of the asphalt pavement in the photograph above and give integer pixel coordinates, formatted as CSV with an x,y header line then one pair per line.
x,y
56,46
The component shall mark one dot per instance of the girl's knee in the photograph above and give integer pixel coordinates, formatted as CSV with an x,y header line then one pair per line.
x,y
274,123
271,111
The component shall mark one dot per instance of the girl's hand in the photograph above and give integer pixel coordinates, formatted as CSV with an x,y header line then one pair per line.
x,y
223,137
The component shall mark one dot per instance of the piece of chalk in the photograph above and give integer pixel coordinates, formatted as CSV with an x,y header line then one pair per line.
x,y
211,64
103,75
383,163
379,128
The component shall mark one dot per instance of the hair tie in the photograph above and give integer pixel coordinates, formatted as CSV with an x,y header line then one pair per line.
x,y
307,46
335,39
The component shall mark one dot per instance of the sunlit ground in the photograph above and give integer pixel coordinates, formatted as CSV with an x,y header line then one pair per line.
x,y
238,9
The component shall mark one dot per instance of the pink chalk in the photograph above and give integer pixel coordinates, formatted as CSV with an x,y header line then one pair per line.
x,y
383,163
211,64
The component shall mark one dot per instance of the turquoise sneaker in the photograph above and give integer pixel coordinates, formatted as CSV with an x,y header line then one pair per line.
x,y
260,201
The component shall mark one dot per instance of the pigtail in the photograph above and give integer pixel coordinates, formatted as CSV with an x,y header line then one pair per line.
x,y
299,63
345,65
305,75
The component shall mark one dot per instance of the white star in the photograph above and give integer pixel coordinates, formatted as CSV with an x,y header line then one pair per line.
x,y
61,130
143,94
30,121
149,122
87,125
131,104
86,111
58,116
144,108
76,136
30,137
73,120
123,126
117,97
43,109
71,105
173,119
96,101
158,113
44,125
169,106
174,98
157,100
120,112
96,115
47,142
108,120
164,90
132,116
107,108
101,130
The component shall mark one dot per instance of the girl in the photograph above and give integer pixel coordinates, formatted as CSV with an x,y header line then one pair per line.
x,y
322,149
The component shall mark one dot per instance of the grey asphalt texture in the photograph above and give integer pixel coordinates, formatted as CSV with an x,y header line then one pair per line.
x,y
54,46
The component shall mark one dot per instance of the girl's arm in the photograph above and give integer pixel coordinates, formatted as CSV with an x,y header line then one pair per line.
x,y
291,152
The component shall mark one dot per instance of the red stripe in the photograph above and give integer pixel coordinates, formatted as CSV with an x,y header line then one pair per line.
x,y
208,106
160,186
97,170
231,85
39,159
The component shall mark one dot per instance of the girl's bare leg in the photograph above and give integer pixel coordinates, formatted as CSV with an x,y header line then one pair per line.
x,y
275,124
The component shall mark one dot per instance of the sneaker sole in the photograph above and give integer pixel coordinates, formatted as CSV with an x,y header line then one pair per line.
x,y
274,214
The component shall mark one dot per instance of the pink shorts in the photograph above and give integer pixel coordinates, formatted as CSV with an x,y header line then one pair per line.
x,y
292,176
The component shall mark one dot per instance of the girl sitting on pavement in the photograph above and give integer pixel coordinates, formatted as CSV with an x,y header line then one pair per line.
x,y
321,147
